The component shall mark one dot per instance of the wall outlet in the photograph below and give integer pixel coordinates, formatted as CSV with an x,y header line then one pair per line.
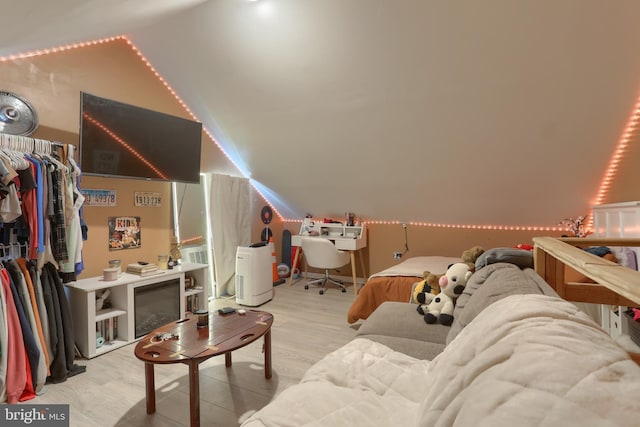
x,y
397,255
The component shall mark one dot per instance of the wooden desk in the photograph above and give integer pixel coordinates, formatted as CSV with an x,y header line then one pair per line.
x,y
226,333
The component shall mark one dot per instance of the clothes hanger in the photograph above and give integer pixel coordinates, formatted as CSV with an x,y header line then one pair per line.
x,y
43,150
52,159
11,157
15,250
16,150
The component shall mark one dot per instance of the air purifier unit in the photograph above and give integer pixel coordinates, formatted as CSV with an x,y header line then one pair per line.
x,y
254,284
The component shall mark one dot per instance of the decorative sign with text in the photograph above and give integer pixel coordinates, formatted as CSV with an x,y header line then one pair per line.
x,y
147,199
49,415
99,197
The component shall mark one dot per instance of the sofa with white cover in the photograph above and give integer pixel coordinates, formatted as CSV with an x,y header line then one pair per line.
x,y
516,355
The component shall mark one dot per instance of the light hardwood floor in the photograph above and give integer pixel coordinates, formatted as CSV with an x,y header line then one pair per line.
x,y
111,392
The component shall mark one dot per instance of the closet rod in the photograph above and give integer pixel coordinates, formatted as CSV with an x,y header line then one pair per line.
x,y
26,143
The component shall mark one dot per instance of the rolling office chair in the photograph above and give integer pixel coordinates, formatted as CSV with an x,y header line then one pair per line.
x,y
322,253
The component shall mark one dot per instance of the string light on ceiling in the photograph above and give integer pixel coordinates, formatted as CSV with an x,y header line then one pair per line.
x,y
457,226
627,135
71,46
122,142
623,144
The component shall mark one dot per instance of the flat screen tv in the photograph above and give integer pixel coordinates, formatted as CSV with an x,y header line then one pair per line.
x,y
124,141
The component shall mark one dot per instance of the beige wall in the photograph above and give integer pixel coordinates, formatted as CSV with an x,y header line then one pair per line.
x,y
113,70
52,83
385,239
437,241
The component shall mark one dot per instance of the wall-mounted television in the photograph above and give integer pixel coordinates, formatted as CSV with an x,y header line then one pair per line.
x,y
125,141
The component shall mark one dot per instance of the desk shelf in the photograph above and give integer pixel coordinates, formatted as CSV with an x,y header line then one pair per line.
x,y
338,230
345,237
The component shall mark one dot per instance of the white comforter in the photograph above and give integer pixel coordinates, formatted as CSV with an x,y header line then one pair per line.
x,y
526,360
416,266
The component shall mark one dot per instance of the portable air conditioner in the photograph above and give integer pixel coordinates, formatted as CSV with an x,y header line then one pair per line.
x,y
254,281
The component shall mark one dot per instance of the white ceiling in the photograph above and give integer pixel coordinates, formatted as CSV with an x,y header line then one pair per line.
x,y
455,112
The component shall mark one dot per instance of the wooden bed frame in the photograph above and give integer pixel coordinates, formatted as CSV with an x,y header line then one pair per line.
x,y
614,283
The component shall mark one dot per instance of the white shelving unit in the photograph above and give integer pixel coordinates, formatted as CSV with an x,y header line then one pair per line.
x,y
82,297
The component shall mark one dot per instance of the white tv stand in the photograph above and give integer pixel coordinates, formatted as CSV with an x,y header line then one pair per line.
x,y
82,297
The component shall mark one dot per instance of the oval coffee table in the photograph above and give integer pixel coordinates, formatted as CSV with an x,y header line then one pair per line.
x,y
183,342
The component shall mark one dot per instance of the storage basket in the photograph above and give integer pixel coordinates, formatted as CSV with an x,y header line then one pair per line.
x,y
634,327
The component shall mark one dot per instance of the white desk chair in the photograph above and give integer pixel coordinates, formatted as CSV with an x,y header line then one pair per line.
x,y
322,253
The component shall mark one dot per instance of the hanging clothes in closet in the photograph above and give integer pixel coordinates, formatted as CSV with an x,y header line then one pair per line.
x,y
40,242
36,330
41,201
72,203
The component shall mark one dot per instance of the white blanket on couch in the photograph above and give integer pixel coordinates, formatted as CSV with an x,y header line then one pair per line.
x,y
526,360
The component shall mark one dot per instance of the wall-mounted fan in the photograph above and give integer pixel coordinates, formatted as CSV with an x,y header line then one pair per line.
x,y
17,115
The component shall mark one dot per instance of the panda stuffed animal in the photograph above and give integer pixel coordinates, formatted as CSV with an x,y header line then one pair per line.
x,y
439,308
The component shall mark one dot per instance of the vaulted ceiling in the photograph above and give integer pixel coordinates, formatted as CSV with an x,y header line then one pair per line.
x,y
448,112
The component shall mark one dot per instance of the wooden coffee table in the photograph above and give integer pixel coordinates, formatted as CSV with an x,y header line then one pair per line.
x,y
192,345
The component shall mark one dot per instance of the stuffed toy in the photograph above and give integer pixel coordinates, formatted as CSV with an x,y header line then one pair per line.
x,y
439,308
471,255
428,285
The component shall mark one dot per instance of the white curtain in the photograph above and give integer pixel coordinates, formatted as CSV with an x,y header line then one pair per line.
x,y
230,200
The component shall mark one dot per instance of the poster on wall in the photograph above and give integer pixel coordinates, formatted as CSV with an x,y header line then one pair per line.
x,y
124,232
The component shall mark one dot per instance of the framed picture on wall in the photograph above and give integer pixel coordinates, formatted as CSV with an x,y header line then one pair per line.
x,y
124,232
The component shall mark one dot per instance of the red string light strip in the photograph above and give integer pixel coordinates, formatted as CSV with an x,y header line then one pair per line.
x,y
601,195
457,226
125,145
67,47
628,134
